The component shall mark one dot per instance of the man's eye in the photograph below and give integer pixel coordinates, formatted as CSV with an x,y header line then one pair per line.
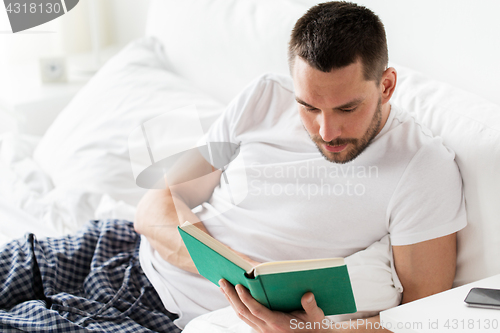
x,y
310,109
348,110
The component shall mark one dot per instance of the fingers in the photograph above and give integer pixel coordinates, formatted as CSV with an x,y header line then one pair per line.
x,y
256,309
245,320
238,306
261,318
312,310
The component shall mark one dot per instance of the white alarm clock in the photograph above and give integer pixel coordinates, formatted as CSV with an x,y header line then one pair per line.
x,y
53,69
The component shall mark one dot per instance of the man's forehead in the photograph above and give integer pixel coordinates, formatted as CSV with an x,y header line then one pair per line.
x,y
339,88
347,105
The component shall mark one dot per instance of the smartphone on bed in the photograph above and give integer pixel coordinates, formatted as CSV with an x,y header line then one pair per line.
x,y
483,298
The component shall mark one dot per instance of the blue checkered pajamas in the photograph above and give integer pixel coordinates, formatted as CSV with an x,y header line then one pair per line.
x,y
88,282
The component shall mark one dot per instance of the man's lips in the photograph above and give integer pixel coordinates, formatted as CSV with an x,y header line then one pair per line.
x,y
335,149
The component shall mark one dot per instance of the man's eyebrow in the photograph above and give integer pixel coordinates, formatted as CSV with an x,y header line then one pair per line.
x,y
340,107
304,103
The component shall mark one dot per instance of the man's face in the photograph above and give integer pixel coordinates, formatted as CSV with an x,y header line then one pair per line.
x,y
341,111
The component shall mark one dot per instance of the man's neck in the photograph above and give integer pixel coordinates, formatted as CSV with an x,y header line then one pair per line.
x,y
386,111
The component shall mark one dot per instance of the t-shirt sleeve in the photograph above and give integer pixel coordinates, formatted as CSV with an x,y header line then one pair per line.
x,y
428,201
222,130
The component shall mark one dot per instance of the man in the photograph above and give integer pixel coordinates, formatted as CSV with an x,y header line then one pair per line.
x,y
344,128
327,180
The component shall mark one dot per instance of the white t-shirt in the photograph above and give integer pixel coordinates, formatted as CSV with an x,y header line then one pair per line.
x,y
291,203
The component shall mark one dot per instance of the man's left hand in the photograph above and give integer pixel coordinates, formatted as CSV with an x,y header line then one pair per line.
x,y
263,320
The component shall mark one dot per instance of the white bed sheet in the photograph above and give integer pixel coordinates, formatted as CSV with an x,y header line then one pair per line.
x,y
14,223
30,203
28,200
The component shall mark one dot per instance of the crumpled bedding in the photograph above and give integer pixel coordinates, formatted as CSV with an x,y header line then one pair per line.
x,y
29,202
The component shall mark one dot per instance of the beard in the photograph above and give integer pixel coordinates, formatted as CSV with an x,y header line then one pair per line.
x,y
355,146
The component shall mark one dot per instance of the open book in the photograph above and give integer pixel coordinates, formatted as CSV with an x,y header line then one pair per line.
x,y
278,285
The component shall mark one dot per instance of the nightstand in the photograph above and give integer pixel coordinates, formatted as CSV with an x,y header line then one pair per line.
x,y
444,312
29,106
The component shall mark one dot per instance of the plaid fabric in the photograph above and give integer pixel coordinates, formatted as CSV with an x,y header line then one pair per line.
x,y
88,282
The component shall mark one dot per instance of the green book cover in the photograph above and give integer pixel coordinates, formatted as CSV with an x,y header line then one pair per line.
x,y
277,285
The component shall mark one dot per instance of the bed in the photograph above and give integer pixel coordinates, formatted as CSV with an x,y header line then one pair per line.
x,y
202,53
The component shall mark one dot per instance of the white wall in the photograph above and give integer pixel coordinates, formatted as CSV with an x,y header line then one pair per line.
x,y
455,41
128,19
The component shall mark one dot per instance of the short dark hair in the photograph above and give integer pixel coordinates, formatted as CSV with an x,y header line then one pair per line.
x,y
335,34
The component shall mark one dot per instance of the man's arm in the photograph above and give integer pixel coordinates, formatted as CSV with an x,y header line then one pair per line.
x,y
189,183
424,269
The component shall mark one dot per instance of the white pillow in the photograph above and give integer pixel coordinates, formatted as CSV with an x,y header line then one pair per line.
x,y
470,126
86,146
221,45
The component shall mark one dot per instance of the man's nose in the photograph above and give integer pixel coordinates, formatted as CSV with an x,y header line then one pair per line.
x,y
329,127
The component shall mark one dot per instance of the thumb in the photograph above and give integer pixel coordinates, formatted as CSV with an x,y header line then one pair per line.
x,y
312,310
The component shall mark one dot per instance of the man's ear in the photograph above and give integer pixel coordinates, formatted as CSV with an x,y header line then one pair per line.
x,y
388,84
